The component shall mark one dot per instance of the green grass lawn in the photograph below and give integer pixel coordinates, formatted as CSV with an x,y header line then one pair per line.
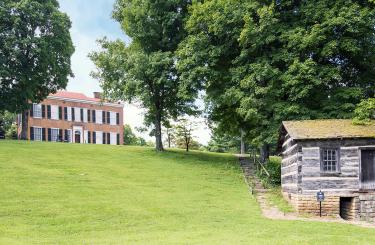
x,y
54,193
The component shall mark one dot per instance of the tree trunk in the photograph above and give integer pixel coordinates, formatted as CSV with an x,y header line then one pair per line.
x,y
242,142
25,124
169,138
264,153
158,138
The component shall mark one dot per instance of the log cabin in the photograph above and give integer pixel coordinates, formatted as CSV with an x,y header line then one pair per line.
x,y
332,156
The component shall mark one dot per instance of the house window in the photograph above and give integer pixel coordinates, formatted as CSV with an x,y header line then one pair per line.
x,y
54,112
37,110
330,160
113,118
77,115
69,117
54,134
99,118
37,134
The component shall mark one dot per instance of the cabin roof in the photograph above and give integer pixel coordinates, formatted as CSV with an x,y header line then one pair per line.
x,y
328,129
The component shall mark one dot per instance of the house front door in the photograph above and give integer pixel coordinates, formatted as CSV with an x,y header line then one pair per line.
x,y
368,169
77,137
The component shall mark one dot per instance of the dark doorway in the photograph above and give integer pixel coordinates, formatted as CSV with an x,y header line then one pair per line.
x,y
368,169
77,137
347,210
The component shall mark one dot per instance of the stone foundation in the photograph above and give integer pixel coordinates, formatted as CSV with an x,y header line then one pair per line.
x,y
346,207
367,207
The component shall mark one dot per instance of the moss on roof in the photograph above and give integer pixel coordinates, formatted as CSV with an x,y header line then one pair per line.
x,y
328,128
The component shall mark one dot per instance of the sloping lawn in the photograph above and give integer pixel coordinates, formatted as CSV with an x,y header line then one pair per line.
x,y
55,193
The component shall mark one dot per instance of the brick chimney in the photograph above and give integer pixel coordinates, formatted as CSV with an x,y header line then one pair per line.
x,y
97,95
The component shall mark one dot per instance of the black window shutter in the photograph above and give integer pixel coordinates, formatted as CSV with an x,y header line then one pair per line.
x,y
43,111
108,138
43,134
81,115
89,137
60,113
49,134
93,116
60,135
66,135
94,137
31,133
103,117
66,113
88,115
118,118
32,110
73,115
104,138
108,117
118,139
48,111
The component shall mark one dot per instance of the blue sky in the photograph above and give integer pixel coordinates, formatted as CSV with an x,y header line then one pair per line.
x,y
91,20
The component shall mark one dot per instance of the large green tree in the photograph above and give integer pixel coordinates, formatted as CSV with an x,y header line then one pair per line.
x,y
35,52
145,70
267,61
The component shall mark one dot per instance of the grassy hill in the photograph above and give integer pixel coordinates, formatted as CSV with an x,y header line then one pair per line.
x,y
99,194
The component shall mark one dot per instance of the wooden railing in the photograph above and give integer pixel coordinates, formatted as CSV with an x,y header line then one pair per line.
x,y
259,166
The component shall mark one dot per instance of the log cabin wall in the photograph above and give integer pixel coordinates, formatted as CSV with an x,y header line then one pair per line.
x,y
290,163
346,181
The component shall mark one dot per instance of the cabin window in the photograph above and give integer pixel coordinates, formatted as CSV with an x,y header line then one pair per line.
x,y
330,160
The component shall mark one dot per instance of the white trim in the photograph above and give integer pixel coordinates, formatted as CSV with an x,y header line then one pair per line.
x,y
85,101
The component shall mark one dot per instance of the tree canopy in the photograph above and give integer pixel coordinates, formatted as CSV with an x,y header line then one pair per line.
x,y
262,62
145,70
35,52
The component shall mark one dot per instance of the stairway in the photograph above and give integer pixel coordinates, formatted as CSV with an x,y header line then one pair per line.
x,y
248,168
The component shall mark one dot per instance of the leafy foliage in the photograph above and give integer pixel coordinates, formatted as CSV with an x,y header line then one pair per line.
x,y
262,63
7,120
273,167
35,52
223,143
365,112
145,70
184,133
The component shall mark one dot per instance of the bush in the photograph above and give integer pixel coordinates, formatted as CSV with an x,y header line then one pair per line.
x,y
273,166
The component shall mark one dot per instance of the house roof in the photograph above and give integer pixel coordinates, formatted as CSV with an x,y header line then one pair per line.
x,y
328,128
73,95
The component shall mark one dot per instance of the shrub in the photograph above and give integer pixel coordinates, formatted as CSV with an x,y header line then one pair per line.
x,y
273,166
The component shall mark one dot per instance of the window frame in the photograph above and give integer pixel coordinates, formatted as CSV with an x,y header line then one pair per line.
x,y
57,130
337,160
39,110
41,133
